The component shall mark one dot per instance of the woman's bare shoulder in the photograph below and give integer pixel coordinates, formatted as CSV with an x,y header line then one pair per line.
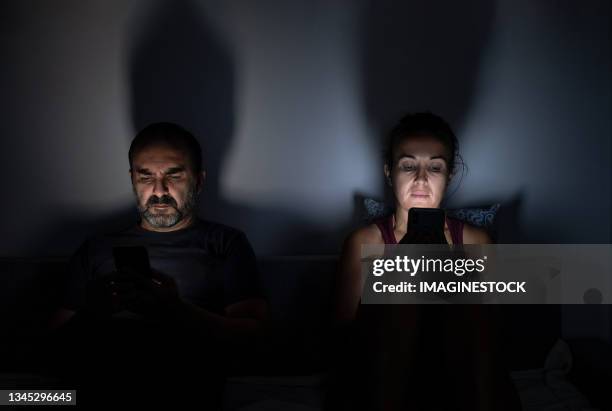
x,y
475,235
369,234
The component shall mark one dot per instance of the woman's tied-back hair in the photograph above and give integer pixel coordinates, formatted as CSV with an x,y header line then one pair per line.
x,y
172,135
423,124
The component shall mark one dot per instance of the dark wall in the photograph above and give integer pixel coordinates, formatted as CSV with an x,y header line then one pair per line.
x,y
290,98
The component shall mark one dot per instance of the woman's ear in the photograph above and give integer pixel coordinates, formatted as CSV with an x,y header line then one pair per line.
x,y
449,179
388,175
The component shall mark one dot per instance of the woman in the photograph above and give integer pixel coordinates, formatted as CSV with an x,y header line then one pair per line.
x,y
420,160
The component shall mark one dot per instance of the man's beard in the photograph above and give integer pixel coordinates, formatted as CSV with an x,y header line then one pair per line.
x,y
171,217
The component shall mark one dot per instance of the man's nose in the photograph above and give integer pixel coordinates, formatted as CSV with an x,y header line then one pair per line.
x,y
160,187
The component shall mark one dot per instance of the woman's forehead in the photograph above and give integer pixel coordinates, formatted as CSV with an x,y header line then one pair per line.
x,y
420,146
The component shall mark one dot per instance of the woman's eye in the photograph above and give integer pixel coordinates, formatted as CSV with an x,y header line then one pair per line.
x,y
435,168
407,167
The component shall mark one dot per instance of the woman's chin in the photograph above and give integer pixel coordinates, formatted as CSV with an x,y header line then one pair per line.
x,y
418,203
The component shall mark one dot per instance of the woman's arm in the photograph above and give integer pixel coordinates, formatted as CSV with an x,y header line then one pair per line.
x,y
349,283
475,235
474,353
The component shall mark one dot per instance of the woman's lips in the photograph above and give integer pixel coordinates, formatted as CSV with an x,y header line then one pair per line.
x,y
419,194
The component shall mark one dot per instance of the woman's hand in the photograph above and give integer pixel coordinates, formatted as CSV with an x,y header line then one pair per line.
x,y
421,237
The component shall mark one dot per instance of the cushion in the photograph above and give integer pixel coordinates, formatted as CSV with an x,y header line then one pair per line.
x,y
476,216
479,217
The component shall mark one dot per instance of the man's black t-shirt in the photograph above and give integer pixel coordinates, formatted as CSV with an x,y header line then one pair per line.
x,y
213,265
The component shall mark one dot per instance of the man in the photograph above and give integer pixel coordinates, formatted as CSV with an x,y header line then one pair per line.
x,y
201,296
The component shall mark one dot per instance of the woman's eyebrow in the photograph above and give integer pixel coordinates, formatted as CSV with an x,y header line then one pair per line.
x,y
413,157
406,156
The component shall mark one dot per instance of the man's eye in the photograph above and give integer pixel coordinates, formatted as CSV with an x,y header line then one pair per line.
x,y
175,177
145,179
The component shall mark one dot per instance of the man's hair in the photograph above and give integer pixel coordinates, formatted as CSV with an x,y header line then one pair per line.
x,y
172,135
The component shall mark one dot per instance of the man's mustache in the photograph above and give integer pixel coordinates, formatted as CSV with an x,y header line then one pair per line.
x,y
165,199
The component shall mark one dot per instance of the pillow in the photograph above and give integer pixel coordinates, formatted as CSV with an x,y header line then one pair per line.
x,y
376,209
478,216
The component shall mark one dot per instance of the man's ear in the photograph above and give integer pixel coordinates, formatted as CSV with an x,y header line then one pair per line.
x,y
201,179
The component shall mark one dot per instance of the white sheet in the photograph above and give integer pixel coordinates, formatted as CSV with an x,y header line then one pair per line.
x,y
547,389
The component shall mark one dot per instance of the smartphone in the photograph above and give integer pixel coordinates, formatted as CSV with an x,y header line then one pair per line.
x,y
132,259
426,226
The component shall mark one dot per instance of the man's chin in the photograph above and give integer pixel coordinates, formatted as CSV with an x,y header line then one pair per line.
x,y
162,220
162,211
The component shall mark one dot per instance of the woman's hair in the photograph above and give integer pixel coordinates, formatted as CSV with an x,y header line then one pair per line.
x,y
423,124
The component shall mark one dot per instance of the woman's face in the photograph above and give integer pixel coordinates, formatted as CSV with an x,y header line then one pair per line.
x,y
420,172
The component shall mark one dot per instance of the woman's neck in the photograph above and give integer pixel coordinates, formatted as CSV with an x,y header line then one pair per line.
x,y
400,220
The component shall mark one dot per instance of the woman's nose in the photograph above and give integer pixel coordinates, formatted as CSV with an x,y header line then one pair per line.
x,y
421,174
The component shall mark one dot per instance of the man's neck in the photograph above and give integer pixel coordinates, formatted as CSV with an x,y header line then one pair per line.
x,y
184,223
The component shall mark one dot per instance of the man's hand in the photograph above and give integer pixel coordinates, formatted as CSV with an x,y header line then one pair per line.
x,y
150,297
102,301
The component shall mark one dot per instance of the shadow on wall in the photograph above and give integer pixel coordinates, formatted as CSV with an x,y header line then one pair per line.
x,y
422,56
415,57
181,72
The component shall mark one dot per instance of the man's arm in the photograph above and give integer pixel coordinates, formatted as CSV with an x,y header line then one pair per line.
x,y
60,318
73,288
157,298
242,322
245,309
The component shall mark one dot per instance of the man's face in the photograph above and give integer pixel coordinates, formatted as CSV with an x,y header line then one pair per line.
x,y
165,186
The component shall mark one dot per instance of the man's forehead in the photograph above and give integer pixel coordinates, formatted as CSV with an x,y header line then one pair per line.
x,y
159,157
